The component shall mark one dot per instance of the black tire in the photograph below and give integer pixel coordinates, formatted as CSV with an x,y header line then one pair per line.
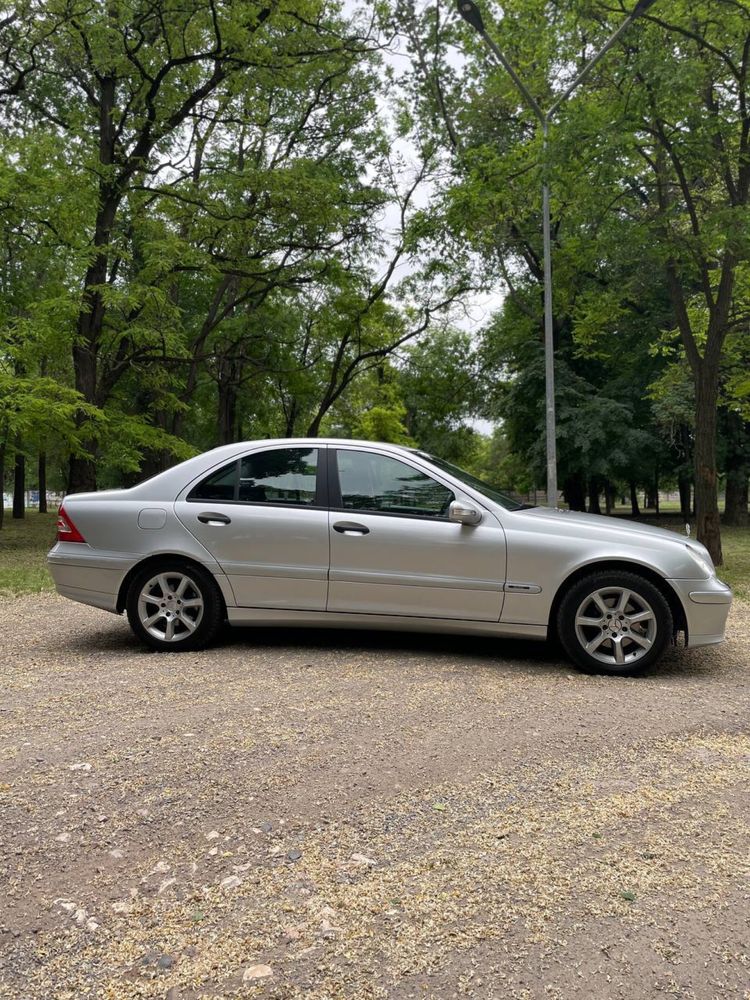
x,y
641,629
190,629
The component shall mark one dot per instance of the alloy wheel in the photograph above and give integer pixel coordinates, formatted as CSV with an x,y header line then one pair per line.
x,y
615,625
170,606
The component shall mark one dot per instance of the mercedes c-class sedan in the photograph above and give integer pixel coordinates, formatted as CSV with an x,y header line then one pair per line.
x,y
355,534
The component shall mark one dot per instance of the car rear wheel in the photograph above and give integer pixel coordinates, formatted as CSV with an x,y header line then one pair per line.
x,y
614,623
174,607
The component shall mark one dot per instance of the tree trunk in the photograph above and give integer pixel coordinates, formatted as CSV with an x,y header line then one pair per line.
x,y
737,439
81,473
82,470
314,429
291,418
594,507
609,496
685,487
19,485
227,411
574,492
634,508
735,506
706,493
42,476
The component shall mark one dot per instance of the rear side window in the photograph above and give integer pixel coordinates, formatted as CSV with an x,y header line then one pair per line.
x,y
278,476
221,485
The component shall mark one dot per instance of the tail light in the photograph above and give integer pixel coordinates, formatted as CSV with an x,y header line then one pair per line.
x,y
66,530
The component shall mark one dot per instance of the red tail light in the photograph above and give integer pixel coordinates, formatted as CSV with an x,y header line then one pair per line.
x,y
66,530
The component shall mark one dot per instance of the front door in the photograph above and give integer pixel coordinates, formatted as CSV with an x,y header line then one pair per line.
x,y
394,550
262,517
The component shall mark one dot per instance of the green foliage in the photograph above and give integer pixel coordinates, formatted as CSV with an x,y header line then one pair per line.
x,y
210,230
648,167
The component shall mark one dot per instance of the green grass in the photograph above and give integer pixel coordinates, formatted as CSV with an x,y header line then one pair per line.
x,y
736,569
24,545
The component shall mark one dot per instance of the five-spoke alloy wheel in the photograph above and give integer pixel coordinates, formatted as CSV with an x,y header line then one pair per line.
x,y
174,606
614,623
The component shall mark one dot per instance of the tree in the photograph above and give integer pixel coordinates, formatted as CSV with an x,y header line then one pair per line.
x,y
655,143
121,88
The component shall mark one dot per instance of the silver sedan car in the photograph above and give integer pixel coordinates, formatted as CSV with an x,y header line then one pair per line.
x,y
355,534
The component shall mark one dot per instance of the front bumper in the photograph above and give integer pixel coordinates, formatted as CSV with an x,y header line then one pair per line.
x,y
706,604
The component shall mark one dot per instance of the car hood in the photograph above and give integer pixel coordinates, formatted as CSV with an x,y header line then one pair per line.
x,y
615,527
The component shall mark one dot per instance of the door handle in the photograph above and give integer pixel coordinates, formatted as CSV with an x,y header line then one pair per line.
x,y
351,528
210,518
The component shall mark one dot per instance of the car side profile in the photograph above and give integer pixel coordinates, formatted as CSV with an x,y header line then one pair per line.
x,y
356,534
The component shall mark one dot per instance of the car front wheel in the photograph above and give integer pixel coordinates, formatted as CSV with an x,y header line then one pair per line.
x,y
174,607
614,623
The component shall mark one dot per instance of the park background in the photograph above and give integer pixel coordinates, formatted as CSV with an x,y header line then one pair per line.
x,y
224,221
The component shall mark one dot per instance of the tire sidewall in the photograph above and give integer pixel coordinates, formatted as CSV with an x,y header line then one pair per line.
x,y
613,578
213,611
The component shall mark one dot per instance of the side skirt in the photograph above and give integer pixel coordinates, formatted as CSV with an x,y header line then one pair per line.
x,y
395,623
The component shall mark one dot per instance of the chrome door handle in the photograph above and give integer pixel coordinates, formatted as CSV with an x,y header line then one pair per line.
x,y
210,518
351,528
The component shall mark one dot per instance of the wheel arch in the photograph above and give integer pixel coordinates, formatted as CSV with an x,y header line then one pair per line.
x,y
157,560
670,594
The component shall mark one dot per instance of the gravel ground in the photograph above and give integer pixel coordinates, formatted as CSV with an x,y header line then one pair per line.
x,y
339,815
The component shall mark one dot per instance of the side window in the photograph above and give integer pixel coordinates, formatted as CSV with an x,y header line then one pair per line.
x,y
378,483
219,486
284,475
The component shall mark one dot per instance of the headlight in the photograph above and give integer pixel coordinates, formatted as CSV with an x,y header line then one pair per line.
x,y
705,563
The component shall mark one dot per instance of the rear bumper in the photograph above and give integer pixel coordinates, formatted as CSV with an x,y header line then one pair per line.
x,y
706,604
86,576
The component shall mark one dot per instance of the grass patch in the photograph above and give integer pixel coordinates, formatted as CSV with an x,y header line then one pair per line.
x,y
736,569
24,544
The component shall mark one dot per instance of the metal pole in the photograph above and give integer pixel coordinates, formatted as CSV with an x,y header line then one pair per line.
x,y
471,13
549,335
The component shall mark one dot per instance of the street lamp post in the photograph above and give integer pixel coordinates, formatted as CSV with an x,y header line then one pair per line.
x,y
473,16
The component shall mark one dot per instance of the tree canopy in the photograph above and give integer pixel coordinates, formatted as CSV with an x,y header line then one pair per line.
x,y
224,220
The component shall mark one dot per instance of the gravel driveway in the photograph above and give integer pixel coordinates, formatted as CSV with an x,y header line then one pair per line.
x,y
322,815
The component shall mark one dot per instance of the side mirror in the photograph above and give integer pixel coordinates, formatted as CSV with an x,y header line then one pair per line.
x,y
460,511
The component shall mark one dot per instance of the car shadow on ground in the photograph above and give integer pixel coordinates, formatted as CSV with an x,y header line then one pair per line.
x,y
501,653
365,641
489,651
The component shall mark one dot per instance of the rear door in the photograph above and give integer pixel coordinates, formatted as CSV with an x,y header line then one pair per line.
x,y
263,518
394,550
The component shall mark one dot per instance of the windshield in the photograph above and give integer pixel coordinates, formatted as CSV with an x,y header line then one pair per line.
x,y
475,483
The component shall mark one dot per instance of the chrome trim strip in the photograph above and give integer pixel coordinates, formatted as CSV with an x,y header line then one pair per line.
x,y
511,587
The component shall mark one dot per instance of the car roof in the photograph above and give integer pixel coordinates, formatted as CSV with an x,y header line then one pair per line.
x,y
170,482
318,441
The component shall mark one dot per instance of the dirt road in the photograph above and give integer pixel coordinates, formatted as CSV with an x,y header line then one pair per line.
x,y
336,816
